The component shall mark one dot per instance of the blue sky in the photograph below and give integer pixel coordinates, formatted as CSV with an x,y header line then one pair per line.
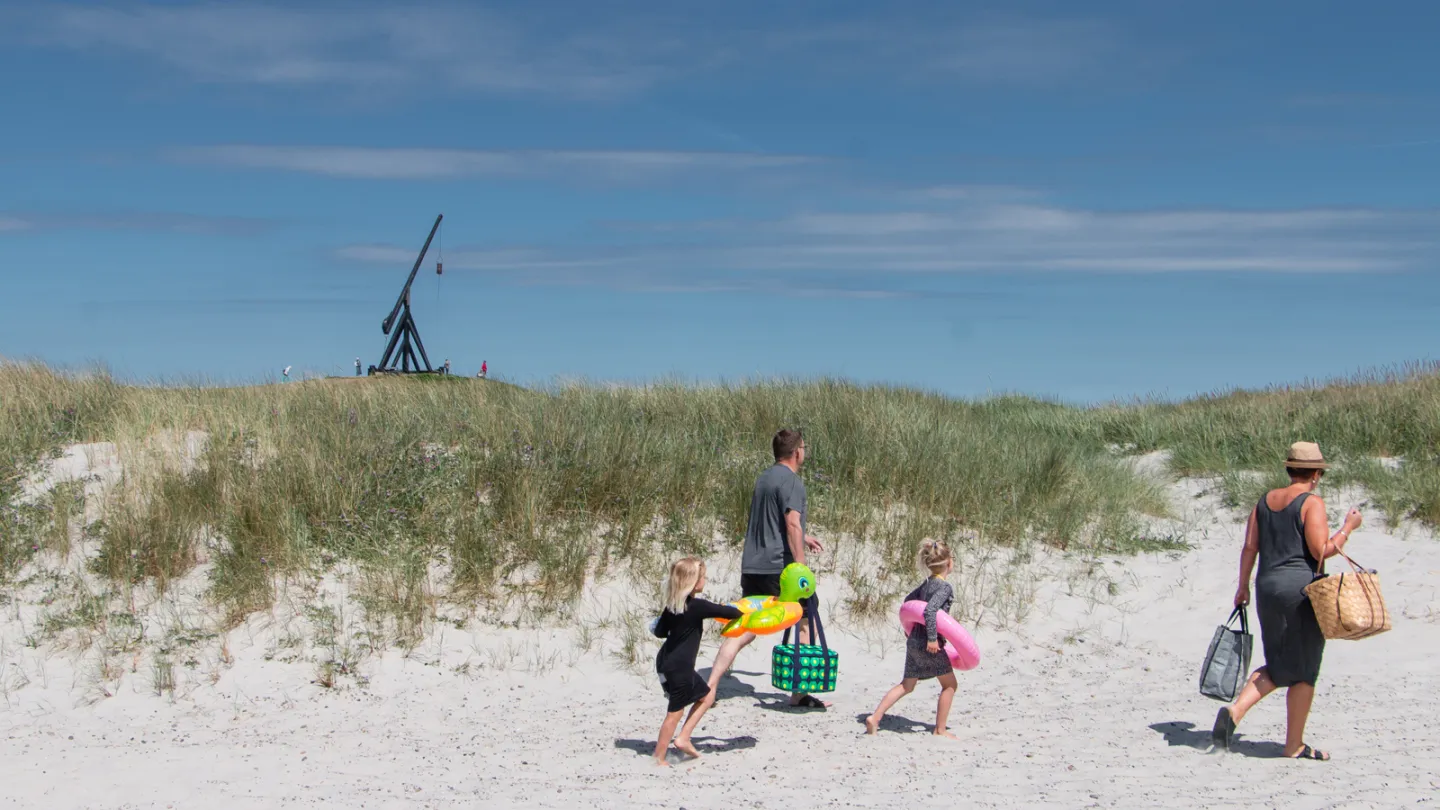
x,y
1077,200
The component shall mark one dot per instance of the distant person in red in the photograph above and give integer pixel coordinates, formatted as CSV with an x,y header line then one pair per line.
x,y
484,368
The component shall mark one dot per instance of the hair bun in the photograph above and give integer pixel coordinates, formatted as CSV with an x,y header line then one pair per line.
x,y
933,552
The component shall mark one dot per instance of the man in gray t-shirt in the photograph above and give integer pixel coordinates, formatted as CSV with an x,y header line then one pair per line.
x,y
774,537
778,492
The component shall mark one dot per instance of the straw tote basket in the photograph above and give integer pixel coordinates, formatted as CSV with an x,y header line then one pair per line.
x,y
1348,605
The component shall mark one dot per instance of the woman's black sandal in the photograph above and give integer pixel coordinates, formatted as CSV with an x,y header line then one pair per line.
x,y
1224,729
1306,752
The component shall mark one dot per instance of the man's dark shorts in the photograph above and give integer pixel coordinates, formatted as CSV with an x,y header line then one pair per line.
x,y
769,585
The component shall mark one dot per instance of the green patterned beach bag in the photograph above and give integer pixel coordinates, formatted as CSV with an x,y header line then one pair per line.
x,y
806,668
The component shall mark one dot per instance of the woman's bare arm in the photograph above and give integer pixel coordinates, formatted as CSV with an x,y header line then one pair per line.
x,y
1321,543
1248,553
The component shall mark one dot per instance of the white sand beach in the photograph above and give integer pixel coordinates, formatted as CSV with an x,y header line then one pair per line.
x,y
1091,701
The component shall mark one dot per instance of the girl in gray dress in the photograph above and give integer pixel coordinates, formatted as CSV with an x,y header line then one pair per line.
x,y
925,655
1288,533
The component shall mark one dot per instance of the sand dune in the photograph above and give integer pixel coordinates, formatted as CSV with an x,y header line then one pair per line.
x,y
1090,702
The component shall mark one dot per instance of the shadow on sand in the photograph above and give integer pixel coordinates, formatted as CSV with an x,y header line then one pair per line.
x,y
1185,734
705,745
732,687
897,723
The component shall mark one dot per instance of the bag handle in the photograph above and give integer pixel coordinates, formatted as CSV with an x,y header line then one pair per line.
x,y
1244,618
817,628
1354,565
795,650
817,631
811,609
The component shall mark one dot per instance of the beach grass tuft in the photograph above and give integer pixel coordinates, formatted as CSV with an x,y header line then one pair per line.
x,y
474,489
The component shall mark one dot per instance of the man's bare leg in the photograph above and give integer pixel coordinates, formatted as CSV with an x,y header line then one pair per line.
x,y
729,648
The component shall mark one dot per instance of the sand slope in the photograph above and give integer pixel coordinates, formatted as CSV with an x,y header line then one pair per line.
x,y
1092,702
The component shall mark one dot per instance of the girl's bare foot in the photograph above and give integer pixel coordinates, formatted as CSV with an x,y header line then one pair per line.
x,y
661,763
872,724
687,748
945,733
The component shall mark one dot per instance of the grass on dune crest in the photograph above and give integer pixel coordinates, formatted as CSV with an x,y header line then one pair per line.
x,y
501,487
1380,428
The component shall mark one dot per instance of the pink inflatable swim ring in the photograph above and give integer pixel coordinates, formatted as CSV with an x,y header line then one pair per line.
x,y
963,651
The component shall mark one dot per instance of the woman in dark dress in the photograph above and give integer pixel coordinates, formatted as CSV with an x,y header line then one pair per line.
x,y
1289,533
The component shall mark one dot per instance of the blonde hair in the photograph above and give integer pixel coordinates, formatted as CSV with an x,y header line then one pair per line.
x,y
934,554
685,574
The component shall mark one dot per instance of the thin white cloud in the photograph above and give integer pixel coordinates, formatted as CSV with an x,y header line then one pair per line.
x,y
883,224
381,254
1035,53
988,237
1354,100
1038,219
972,193
431,164
617,270
773,287
156,221
516,259
984,49
581,54
372,47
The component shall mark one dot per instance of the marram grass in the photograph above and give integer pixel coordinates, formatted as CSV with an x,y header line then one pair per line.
x,y
496,484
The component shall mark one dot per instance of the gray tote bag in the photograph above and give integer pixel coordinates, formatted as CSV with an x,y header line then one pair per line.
x,y
1228,662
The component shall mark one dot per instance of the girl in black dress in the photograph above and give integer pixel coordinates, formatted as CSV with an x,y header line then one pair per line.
x,y
925,655
681,624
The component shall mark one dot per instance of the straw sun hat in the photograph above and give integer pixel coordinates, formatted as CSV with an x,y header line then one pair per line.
x,y
1306,456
